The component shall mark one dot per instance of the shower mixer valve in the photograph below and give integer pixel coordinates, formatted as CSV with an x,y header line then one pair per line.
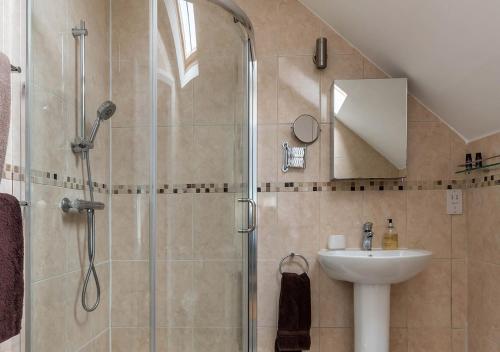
x,y
81,145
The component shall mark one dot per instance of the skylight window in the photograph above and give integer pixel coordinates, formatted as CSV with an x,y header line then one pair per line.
x,y
339,98
188,27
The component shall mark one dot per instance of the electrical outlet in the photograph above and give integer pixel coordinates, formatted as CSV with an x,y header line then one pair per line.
x,y
454,201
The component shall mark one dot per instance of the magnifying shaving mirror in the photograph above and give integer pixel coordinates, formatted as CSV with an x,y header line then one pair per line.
x,y
306,129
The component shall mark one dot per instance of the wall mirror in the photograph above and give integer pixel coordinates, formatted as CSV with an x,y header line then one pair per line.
x,y
306,129
369,129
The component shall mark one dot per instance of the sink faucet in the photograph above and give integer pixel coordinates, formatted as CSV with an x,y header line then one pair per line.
x,y
367,236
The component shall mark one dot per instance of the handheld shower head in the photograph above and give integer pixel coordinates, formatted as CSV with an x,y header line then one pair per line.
x,y
104,112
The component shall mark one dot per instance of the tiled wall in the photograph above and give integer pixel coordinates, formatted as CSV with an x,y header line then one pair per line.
x,y
483,264
428,313
59,244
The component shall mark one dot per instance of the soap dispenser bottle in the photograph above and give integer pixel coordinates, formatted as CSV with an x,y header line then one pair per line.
x,y
390,240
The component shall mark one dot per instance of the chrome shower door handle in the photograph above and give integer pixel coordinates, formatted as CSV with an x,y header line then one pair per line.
x,y
253,208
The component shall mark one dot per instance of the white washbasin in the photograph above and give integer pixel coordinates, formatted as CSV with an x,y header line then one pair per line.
x,y
372,273
374,267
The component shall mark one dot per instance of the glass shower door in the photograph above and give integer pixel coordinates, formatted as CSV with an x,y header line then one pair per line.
x,y
202,173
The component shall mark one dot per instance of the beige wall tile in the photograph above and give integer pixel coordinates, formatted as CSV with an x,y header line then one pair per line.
x,y
217,305
214,236
101,318
215,30
297,225
459,234
265,19
458,340
48,143
459,294
48,315
399,340
265,339
267,153
131,94
336,302
267,90
418,113
399,305
130,339
336,44
298,88
175,103
130,165
175,339
214,90
214,154
175,226
268,290
428,151
429,297
429,340
130,297
101,343
130,227
370,71
429,227
49,233
298,29
217,339
176,294
335,339
341,214
78,323
490,315
176,155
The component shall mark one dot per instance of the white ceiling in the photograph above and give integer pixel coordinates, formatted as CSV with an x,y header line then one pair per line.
x,y
448,49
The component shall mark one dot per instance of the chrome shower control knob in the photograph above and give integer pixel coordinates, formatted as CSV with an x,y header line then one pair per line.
x,y
66,205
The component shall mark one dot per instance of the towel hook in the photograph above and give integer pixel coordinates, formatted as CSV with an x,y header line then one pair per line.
x,y
291,256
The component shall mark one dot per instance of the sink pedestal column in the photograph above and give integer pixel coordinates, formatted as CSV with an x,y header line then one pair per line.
x,y
371,317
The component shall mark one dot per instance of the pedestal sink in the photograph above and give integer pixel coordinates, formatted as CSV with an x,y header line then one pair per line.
x,y
372,273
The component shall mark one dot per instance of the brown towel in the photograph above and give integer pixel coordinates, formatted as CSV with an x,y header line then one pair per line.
x,y
11,267
294,320
4,107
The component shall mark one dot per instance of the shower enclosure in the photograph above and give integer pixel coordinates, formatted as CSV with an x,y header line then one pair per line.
x,y
174,169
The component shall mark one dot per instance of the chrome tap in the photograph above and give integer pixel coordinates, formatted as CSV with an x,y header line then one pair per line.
x,y
367,236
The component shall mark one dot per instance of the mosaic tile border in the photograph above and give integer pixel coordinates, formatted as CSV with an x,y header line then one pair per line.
x,y
16,173
47,178
361,185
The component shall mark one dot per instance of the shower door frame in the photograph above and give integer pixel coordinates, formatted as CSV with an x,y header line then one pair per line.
x,y
249,290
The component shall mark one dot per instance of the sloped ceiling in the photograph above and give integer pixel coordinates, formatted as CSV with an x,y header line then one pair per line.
x,y
448,49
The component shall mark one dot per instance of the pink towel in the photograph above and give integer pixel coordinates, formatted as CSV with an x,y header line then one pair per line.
x,y
11,267
4,107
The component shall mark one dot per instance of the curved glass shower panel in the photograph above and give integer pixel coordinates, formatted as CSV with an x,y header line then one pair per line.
x,y
202,160
130,175
204,166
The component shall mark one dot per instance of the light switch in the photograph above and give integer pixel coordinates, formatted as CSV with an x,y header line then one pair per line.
x,y
454,201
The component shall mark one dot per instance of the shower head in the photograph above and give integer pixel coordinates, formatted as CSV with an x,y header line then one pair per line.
x,y
104,112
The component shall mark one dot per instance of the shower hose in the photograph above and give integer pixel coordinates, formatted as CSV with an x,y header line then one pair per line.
x,y
90,245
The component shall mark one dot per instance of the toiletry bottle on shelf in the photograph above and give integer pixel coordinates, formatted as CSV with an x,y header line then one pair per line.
x,y
390,240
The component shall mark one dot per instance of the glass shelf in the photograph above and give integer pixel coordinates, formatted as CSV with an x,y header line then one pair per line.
x,y
484,167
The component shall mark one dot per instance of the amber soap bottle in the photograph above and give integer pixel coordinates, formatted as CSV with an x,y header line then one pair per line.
x,y
390,240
